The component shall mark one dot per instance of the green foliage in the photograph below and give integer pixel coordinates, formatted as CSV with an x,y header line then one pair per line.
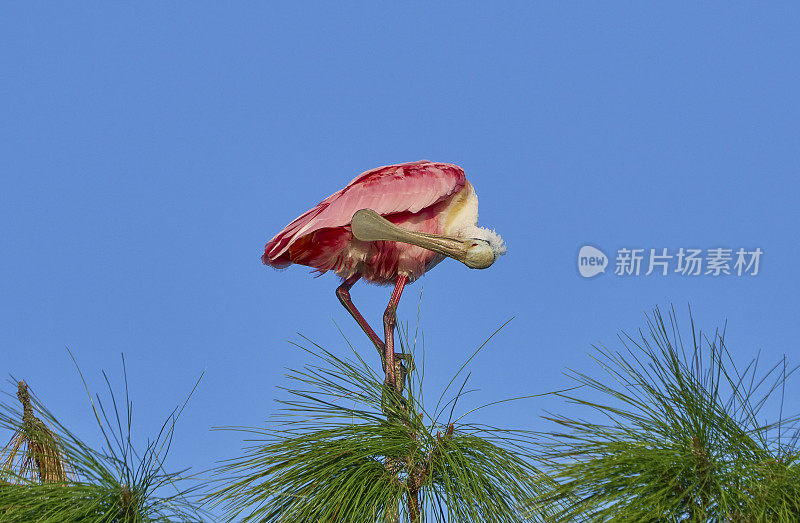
x,y
670,430
117,483
344,449
678,436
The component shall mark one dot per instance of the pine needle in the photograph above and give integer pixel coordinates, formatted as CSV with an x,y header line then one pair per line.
x,y
672,432
331,454
34,453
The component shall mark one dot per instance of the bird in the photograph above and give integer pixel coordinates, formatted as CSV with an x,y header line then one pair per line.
x,y
389,225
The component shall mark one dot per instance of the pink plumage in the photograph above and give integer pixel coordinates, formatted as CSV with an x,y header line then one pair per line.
x,y
433,213
419,196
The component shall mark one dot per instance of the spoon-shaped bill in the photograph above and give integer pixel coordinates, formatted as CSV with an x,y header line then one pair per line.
x,y
369,226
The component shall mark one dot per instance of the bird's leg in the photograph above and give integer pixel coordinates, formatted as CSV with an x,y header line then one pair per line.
x,y
389,321
343,293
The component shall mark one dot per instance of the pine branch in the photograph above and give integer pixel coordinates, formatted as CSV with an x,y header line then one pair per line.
x,y
117,483
673,432
331,454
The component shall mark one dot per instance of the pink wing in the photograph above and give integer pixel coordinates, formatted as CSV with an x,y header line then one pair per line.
x,y
390,189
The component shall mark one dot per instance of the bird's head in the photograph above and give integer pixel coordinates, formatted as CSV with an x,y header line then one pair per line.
x,y
479,255
484,247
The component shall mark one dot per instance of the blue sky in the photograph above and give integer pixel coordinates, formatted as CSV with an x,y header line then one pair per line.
x,y
149,150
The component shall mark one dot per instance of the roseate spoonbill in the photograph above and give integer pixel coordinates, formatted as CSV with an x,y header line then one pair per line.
x,y
389,225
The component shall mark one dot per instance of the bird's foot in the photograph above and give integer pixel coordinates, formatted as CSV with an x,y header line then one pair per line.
x,y
403,367
408,359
